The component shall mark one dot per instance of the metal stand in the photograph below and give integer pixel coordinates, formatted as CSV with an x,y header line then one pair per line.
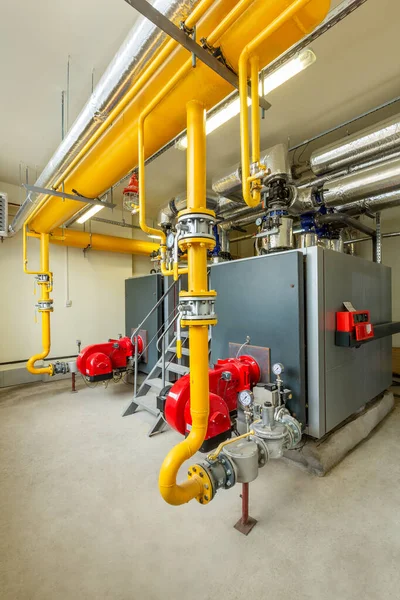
x,y
245,523
73,383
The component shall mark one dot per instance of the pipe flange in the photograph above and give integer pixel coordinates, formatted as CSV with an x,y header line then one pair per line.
x,y
263,454
196,225
230,471
198,471
293,429
45,306
222,471
197,308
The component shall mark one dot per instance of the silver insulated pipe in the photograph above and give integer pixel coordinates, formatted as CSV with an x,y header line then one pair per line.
x,y
142,43
378,139
373,204
377,180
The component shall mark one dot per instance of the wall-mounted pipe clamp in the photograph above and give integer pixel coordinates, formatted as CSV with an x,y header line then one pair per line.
x,y
45,305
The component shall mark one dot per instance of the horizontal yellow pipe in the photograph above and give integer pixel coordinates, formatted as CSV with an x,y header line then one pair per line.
x,y
142,80
106,243
115,153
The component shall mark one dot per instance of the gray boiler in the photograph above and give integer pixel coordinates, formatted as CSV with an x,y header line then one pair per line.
x,y
288,302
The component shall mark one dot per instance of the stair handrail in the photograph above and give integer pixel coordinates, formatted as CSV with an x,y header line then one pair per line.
x,y
134,334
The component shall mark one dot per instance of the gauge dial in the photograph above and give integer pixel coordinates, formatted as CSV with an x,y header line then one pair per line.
x,y
245,397
170,240
258,221
278,368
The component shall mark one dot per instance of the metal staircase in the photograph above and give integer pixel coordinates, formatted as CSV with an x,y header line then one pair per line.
x,y
167,370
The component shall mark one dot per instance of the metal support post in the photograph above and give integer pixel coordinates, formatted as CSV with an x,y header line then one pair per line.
x,y
245,523
73,383
378,247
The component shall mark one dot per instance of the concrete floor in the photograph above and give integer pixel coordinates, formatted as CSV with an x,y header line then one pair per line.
x,y
81,517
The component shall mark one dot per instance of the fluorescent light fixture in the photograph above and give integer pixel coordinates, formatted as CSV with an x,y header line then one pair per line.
x,y
89,213
297,64
155,237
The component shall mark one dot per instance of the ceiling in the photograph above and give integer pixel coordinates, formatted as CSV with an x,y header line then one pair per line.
x,y
37,38
356,70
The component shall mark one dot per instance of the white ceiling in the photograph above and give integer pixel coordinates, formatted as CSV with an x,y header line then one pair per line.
x,y
35,41
356,69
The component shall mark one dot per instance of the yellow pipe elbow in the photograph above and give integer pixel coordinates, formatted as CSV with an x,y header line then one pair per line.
x,y
180,493
30,365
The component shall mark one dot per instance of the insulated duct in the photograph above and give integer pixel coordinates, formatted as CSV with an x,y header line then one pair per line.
x,y
379,179
276,158
243,221
373,204
142,43
378,139
169,213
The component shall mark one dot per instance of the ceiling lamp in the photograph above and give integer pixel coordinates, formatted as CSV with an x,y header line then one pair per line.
x,y
89,213
231,109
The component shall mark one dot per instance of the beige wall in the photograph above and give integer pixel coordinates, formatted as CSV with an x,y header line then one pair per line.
x,y
96,290
390,220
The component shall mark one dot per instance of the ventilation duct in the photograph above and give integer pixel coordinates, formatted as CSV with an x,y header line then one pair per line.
x,y
170,212
276,158
378,139
373,205
142,43
377,180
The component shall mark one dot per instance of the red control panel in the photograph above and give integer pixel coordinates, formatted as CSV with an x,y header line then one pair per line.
x,y
353,326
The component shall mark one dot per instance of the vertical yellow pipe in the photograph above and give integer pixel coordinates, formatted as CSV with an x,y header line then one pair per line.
x,y
251,193
255,111
171,491
44,297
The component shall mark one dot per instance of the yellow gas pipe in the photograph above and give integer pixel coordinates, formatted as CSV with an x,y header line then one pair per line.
x,y
198,485
160,58
45,309
227,22
105,243
251,184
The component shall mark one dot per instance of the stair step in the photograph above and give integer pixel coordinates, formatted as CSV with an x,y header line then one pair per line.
x,y
155,383
185,351
175,368
178,369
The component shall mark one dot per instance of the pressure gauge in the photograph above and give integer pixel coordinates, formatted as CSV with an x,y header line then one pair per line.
x,y
170,240
245,397
278,368
258,221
